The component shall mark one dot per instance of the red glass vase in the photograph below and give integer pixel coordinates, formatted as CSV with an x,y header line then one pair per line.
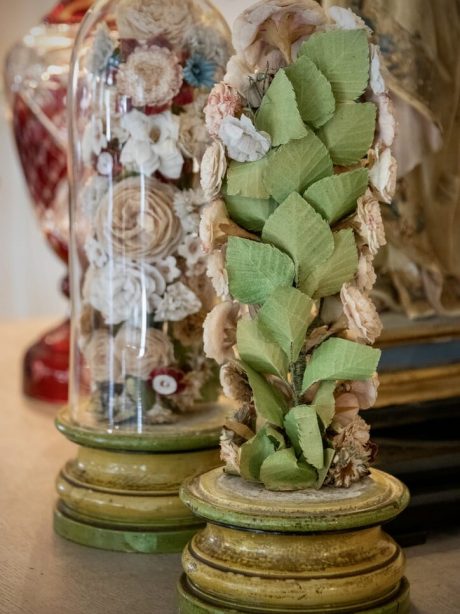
x,y
36,77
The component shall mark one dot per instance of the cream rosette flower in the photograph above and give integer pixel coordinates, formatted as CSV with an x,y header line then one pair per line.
x,y
102,358
368,222
141,351
177,303
383,175
217,273
144,19
219,332
137,220
363,319
275,26
365,276
223,101
213,168
150,76
243,141
123,290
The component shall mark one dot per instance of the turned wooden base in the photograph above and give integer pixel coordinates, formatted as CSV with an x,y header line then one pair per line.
x,y
311,551
127,498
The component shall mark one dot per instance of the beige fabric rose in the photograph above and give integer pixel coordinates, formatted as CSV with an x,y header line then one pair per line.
x,y
368,222
137,221
144,19
101,357
213,167
362,316
150,76
140,351
219,332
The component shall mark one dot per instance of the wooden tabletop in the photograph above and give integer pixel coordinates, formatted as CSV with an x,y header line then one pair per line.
x,y
41,573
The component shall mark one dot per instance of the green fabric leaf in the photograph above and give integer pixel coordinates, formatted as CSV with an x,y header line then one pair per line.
x,y
337,359
302,426
329,454
282,471
256,269
253,454
313,91
285,317
349,134
335,197
250,213
287,227
324,402
276,436
295,166
269,402
258,351
328,278
278,114
246,179
343,58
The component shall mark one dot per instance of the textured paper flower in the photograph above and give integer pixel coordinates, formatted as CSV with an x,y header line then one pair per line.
x,y
177,303
363,319
213,168
93,192
150,76
214,219
275,25
368,222
235,383
219,332
223,101
383,174
190,249
187,205
137,220
217,273
193,136
346,19
168,268
141,350
243,141
95,252
122,290
365,277
144,19
229,453
101,357
160,415
199,71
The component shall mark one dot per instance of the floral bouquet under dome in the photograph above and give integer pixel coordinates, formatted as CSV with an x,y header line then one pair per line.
x,y
302,127
138,116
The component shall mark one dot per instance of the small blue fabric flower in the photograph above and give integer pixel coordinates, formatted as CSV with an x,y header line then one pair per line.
x,y
199,71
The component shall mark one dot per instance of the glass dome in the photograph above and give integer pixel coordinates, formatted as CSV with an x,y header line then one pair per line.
x,y
141,74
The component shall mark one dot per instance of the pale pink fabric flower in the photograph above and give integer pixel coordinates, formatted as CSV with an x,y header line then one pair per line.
x,y
223,101
363,319
368,222
219,332
150,76
243,141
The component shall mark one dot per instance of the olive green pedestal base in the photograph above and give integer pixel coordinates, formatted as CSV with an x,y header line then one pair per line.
x,y
121,492
314,552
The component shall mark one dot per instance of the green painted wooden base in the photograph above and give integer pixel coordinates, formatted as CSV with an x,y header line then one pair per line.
x,y
153,541
192,602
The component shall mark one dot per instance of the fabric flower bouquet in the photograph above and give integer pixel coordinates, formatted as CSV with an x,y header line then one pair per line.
x,y
302,127
144,294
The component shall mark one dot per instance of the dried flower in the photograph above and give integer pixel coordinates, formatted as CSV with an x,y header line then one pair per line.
x,y
144,19
243,141
368,222
101,357
346,19
168,269
354,396
382,175
219,331
187,204
95,252
101,50
177,303
275,25
160,415
235,383
109,403
150,76
214,220
152,144
223,101
229,453
354,453
189,330
365,277
190,249
123,290
376,80
141,350
213,168
199,71
362,316
137,220
194,137
217,272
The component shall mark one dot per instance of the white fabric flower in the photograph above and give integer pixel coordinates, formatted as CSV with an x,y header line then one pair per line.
x,y
193,254
177,303
152,144
95,252
382,175
123,290
346,19
386,120
168,268
92,194
376,80
213,168
164,384
104,164
187,204
218,274
243,141
94,139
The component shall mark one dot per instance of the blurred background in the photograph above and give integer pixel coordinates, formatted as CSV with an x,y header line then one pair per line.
x,y
29,272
